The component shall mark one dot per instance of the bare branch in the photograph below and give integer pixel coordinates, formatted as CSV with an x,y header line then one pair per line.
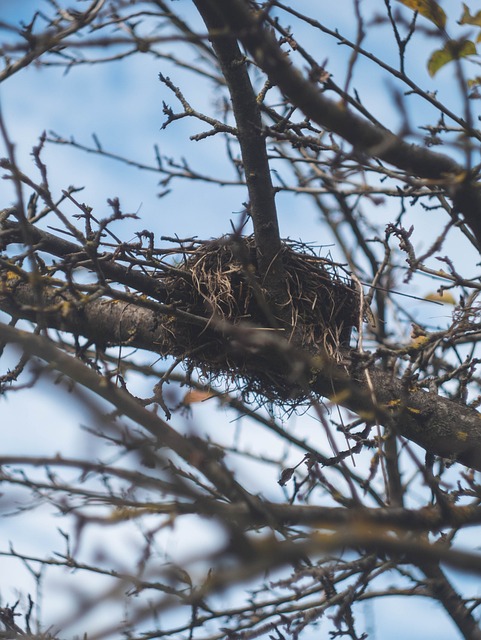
x,y
364,136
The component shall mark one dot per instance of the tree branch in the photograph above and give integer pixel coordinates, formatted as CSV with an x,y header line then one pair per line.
x,y
50,39
247,115
72,254
439,425
193,450
363,135
452,602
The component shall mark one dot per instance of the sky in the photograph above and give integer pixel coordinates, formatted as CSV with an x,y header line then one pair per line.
x,y
122,104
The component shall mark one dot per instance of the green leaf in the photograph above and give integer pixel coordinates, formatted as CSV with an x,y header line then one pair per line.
x,y
467,18
452,50
429,9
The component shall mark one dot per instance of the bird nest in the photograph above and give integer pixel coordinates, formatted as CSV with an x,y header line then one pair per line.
x,y
217,280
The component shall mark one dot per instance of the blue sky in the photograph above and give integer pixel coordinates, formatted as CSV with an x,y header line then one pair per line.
x,y
122,104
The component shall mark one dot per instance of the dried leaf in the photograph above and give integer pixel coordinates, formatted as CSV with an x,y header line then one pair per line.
x,y
467,18
452,50
444,296
286,475
419,342
429,9
474,82
196,395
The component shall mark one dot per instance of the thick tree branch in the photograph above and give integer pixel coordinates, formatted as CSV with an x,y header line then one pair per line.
x,y
364,136
432,518
439,425
455,606
247,115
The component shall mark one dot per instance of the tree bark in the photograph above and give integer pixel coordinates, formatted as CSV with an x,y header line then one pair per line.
x,y
439,425
262,207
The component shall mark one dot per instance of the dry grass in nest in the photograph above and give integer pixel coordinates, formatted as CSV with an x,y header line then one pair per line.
x,y
216,280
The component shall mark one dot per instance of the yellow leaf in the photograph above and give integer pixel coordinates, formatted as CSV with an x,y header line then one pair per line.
x,y
65,308
467,18
393,403
120,514
458,178
444,296
419,342
429,9
474,82
452,50
11,276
